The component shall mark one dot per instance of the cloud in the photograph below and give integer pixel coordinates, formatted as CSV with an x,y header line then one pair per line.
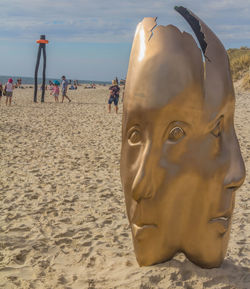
x,y
113,21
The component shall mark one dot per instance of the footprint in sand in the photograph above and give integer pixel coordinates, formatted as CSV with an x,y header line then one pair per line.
x,y
91,262
87,244
63,241
20,258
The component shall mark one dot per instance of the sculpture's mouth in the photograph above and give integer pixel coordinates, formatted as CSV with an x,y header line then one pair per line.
x,y
139,229
223,221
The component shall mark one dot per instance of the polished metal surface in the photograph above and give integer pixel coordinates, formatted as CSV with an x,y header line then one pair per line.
x,y
180,160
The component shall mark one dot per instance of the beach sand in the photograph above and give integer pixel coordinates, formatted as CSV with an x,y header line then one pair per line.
x,y
62,220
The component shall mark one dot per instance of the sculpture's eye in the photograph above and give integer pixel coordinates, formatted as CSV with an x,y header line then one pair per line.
x,y
218,128
134,136
176,134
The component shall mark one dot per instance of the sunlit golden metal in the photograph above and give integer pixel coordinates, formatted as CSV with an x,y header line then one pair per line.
x,y
180,160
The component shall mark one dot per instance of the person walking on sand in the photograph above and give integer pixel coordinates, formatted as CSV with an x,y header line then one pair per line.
x,y
56,90
113,96
50,87
1,90
9,90
64,88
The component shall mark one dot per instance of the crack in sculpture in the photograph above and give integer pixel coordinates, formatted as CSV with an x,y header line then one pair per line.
x,y
152,30
195,24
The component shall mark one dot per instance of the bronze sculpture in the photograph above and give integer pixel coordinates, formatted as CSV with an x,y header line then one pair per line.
x,y
180,160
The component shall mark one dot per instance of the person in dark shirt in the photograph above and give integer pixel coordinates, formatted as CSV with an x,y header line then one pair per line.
x,y
114,91
64,88
1,90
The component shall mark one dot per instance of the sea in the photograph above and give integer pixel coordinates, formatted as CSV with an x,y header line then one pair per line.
x,y
30,80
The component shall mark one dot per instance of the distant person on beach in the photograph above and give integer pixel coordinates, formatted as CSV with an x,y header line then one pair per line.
x,y
9,87
56,90
19,83
50,87
71,87
64,88
1,90
114,90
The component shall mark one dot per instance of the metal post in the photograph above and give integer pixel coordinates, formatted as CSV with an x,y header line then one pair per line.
x,y
42,46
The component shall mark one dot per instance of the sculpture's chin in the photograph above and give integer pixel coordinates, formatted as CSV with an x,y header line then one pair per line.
x,y
207,249
151,251
149,259
207,263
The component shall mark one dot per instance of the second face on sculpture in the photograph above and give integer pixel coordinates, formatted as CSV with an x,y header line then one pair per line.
x,y
180,160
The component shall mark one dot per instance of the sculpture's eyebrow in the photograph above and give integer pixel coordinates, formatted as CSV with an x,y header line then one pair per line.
x,y
139,95
213,123
134,122
133,125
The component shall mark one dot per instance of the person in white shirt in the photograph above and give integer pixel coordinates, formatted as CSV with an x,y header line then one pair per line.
x,y
9,90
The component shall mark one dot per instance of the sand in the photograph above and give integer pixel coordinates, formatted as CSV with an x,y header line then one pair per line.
x,y
62,220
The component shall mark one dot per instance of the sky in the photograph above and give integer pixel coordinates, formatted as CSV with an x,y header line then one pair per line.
x,y
91,39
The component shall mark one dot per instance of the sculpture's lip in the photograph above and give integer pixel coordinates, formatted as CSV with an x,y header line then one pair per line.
x,y
139,228
223,220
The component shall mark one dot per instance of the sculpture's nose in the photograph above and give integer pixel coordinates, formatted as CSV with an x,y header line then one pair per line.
x,y
236,171
141,187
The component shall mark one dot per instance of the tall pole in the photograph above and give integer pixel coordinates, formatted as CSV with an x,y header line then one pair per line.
x,y
44,74
36,71
42,47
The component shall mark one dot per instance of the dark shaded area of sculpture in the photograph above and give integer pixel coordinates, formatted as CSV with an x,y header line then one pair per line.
x,y
42,47
194,23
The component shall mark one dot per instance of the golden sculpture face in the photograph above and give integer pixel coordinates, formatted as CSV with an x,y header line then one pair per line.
x,y
180,159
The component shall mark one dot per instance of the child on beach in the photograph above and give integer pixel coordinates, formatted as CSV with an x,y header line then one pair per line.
x,y
50,87
56,90
9,90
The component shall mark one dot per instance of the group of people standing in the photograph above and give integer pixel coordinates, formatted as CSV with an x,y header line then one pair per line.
x,y
7,90
114,91
55,89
